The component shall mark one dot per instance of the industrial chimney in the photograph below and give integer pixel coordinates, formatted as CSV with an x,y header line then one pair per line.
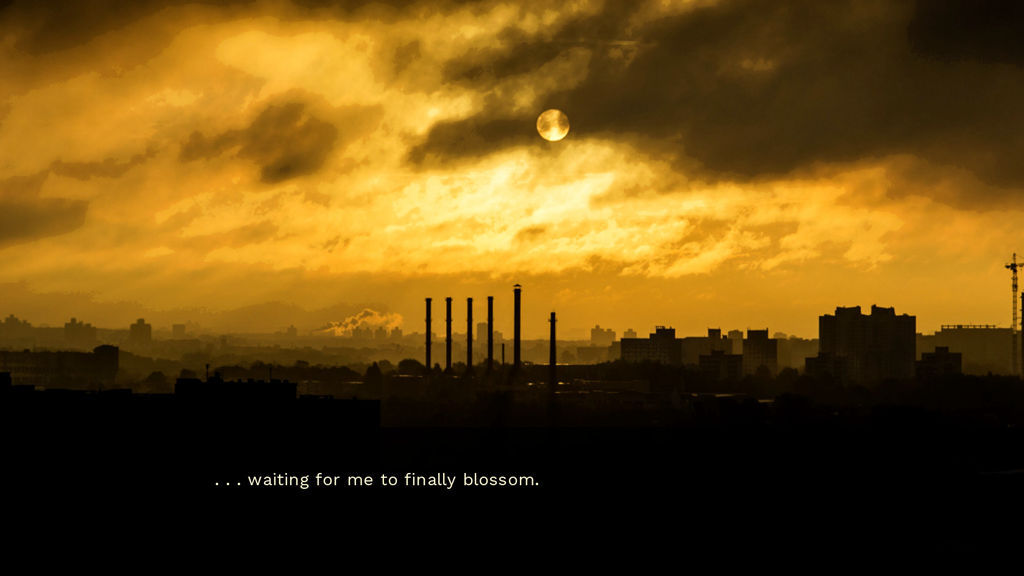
x,y
469,334
490,333
448,335
552,372
516,327
428,334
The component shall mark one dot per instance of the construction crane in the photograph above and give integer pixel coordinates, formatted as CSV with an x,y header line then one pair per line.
x,y
1012,266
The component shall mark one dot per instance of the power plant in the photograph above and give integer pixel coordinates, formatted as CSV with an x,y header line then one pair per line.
x,y
517,336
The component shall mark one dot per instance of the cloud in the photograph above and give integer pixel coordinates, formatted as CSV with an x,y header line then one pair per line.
x,y
108,168
284,140
980,30
25,216
743,90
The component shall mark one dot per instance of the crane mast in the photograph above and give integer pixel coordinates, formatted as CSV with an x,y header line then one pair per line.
x,y
1012,267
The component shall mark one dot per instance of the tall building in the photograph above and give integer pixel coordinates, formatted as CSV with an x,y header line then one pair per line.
x,y
661,346
140,333
178,331
696,346
760,350
858,348
735,342
601,336
79,335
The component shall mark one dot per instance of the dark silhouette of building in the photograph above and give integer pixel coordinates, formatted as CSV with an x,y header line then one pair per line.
x,y
719,366
601,337
828,366
79,335
217,390
177,331
735,338
94,370
940,363
140,333
870,348
760,350
696,346
983,347
596,354
662,346
14,329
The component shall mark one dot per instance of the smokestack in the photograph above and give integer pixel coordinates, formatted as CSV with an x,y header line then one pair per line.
x,y
1021,340
428,334
448,335
490,333
515,332
469,334
553,375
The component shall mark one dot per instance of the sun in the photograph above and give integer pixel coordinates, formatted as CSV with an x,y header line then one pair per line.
x,y
552,125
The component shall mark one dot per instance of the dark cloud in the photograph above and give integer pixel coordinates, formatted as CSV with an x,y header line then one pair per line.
x,y
108,168
46,26
474,137
405,55
285,140
25,216
981,30
530,233
50,26
750,89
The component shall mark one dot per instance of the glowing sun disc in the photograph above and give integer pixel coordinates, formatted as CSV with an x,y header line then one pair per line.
x,y
552,125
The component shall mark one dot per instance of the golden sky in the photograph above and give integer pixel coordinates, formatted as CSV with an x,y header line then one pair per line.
x,y
730,164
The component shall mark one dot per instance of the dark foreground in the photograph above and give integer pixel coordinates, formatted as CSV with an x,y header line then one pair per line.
x,y
881,483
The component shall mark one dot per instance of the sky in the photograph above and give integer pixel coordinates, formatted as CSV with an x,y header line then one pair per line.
x,y
732,163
